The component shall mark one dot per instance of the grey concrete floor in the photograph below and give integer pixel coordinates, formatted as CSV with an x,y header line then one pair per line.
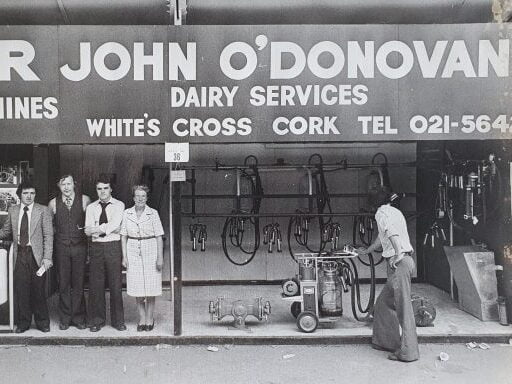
x,y
450,320
352,364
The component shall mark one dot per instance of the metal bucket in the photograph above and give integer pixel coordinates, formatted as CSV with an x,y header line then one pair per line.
x,y
307,270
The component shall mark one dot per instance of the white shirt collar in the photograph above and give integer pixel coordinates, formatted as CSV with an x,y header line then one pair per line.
x,y
111,200
29,207
72,197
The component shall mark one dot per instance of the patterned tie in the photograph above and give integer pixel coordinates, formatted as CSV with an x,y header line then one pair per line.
x,y
24,227
103,215
68,202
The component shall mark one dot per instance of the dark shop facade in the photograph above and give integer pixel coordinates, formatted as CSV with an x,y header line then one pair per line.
x,y
261,145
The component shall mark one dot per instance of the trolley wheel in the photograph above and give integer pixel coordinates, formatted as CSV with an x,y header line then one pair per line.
x,y
307,322
295,309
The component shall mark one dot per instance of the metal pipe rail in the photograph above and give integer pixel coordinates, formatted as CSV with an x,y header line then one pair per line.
x,y
279,196
251,215
286,167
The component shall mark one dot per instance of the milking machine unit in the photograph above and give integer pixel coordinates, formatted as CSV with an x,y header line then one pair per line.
x,y
316,291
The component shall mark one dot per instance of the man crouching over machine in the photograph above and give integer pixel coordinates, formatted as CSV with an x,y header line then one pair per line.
x,y
393,309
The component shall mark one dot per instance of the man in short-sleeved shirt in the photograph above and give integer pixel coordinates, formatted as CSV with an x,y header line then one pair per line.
x,y
391,223
393,309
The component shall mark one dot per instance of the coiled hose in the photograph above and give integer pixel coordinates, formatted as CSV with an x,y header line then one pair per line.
x,y
322,203
235,225
356,291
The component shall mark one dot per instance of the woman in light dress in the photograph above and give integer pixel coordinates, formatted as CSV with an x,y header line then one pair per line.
x,y
142,246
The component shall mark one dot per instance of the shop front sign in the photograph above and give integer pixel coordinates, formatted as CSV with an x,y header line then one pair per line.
x,y
289,83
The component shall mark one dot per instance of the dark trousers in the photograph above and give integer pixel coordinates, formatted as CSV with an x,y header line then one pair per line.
x,y
29,291
105,260
393,310
70,260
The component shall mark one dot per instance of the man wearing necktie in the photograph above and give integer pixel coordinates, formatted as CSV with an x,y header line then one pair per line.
x,y
30,226
103,224
70,252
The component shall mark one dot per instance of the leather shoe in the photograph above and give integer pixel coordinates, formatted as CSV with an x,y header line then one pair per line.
x,y
150,327
63,326
80,326
95,328
44,329
141,327
120,327
394,357
379,348
20,330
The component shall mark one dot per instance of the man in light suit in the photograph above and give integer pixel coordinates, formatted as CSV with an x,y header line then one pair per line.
x,y
30,226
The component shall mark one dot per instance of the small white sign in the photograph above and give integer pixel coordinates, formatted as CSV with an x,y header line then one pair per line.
x,y
179,175
177,152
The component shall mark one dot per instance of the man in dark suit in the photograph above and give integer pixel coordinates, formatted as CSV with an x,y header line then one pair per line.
x,y
30,227
70,252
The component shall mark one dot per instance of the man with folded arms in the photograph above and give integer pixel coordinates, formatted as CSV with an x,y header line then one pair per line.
x,y
103,224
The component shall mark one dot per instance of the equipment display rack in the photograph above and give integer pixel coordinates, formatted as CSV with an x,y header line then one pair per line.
x,y
176,214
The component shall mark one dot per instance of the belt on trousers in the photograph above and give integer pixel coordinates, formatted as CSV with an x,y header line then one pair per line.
x,y
142,238
404,253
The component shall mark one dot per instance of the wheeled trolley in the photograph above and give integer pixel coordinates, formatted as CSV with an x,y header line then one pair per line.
x,y
316,291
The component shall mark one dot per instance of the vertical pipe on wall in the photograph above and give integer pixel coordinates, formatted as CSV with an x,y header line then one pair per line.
x,y
177,278
171,239
177,13
310,190
452,282
11,287
510,164
238,190
193,191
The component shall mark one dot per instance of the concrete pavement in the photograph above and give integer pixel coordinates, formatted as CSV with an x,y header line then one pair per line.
x,y
354,364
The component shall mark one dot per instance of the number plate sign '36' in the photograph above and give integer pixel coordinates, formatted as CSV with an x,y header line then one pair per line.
x,y
177,152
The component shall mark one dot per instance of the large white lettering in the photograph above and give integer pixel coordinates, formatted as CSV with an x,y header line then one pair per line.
x,y
429,65
155,61
238,48
458,60
277,50
403,68
498,60
179,62
393,59
16,55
